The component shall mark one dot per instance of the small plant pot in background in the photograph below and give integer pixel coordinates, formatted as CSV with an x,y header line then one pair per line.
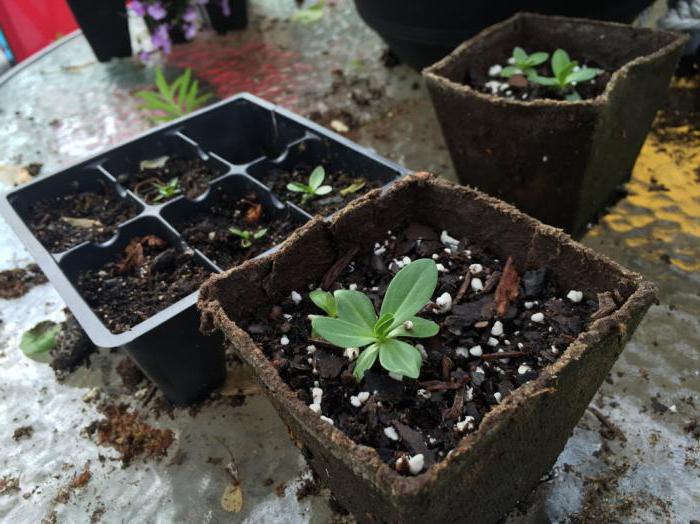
x,y
421,32
222,22
519,438
105,26
562,162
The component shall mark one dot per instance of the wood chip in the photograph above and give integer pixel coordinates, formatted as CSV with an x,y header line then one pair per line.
x,y
507,290
336,269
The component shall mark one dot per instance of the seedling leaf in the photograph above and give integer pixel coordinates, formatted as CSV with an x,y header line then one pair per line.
x,y
342,333
355,307
399,357
325,301
317,177
365,361
410,290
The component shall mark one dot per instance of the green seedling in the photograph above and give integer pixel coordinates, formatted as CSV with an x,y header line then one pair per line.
x,y
522,63
168,190
172,101
248,237
567,74
355,323
314,188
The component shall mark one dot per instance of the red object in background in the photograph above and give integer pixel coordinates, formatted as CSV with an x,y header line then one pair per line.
x,y
31,25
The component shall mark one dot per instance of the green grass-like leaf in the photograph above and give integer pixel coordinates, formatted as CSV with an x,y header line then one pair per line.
x,y
172,101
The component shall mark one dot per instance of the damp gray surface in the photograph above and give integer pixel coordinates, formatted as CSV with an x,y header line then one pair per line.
x,y
66,106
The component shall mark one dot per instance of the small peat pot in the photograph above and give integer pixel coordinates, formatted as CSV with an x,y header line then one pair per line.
x,y
559,160
482,334
128,236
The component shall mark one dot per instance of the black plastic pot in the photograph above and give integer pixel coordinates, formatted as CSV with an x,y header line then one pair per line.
x,y
559,161
238,19
105,25
421,32
234,137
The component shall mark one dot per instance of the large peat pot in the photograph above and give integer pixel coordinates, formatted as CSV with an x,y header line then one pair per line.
x,y
559,161
421,32
518,439
105,26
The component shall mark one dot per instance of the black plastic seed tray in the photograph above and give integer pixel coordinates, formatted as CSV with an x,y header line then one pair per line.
x,y
243,141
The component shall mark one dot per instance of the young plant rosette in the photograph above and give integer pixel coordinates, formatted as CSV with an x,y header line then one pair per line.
x,y
561,161
519,439
353,323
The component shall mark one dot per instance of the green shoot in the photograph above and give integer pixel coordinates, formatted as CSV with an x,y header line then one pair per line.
x,y
567,74
314,188
166,191
172,100
353,188
522,63
357,324
248,237
309,15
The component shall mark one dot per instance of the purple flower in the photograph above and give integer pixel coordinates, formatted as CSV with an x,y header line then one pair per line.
x,y
190,14
225,7
190,31
137,7
156,11
161,38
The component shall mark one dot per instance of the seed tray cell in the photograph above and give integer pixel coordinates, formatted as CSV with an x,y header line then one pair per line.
x,y
241,140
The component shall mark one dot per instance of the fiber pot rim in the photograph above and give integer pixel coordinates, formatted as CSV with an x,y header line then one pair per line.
x,y
433,72
365,461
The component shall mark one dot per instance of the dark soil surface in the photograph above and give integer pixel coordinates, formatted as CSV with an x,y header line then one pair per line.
x,y
72,349
278,179
457,387
145,279
65,221
194,176
519,88
15,283
208,230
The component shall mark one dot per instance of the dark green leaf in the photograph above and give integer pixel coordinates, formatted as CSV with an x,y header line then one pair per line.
x,y
509,71
519,55
583,75
341,333
410,290
365,361
325,301
536,59
399,357
422,328
560,60
355,307
383,325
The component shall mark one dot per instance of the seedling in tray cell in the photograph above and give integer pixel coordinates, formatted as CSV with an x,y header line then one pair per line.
x,y
357,324
166,191
567,73
248,237
314,188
